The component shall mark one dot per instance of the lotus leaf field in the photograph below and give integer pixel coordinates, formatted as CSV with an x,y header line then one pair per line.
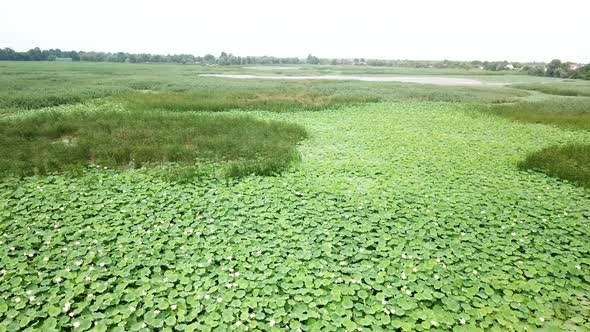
x,y
400,216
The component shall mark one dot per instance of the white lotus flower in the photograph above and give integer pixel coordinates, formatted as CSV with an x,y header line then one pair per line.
x,y
578,267
238,323
383,302
436,277
434,323
173,307
17,299
76,324
132,309
32,298
404,276
219,300
252,315
45,259
462,321
156,312
272,323
414,270
541,319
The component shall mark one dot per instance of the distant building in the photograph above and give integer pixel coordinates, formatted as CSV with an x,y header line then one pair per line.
x,y
509,66
63,59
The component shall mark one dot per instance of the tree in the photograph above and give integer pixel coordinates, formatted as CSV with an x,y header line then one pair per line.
x,y
209,59
314,60
584,72
553,68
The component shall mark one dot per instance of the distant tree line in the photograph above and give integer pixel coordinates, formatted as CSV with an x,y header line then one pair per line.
x,y
37,54
555,68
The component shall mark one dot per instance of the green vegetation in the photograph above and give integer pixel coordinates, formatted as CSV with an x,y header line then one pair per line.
x,y
560,88
223,101
34,85
561,112
378,228
407,210
570,162
89,135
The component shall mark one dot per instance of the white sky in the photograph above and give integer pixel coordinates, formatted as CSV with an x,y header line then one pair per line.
x,y
514,30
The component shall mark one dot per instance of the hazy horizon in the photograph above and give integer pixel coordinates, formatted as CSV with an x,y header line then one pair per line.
x,y
418,30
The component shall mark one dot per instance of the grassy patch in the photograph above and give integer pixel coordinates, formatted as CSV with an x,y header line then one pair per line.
x,y
569,162
572,113
226,100
61,141
560,88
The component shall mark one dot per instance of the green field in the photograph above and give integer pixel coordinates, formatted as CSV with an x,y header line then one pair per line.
x,y
147,198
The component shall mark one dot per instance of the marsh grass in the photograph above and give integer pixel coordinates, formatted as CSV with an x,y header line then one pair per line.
x,y
216,101
570,88
569,162
33,85
570,113
67,141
